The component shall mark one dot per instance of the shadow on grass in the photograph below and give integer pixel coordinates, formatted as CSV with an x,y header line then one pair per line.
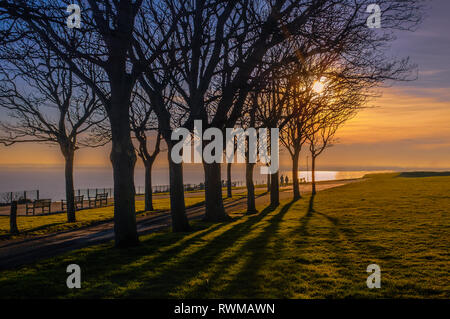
x,y
159,266
177,271
311,204
348,255
255,252
49,230
304,220
100,264
332,249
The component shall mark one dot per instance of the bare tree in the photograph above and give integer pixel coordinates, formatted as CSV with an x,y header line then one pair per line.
x,y
218,46
201,37
104,40
336,104
142,122
271,102
319,140
47,105
303,97
251,204
154,82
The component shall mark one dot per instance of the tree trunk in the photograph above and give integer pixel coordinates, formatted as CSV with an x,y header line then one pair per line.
x,y
313,174
123,159
229,191
180,221
13,219
148,186
274,190
214,210
268,182
251,206
70,190
295,183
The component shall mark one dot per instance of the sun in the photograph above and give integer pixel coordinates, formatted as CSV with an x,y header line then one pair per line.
x,y
318,87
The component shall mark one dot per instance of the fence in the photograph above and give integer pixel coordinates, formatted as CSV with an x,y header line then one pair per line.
x,y
27,196
92,192
6,198
140,190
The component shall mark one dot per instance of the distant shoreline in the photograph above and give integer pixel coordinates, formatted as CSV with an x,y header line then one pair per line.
x,y
50,181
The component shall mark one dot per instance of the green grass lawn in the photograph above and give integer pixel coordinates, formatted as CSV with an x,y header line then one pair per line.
x,y
31,226
400,223
40,225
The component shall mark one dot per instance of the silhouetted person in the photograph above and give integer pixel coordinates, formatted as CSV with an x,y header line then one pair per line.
x,y
281,180
286,180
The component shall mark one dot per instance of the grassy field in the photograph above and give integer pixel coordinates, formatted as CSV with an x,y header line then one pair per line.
x,y
400,223
41,225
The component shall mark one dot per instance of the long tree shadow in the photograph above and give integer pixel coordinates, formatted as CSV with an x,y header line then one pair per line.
x,y
164,270
311,204
173,243
173,268
309,240
304,221
352,253
167,241
337,243
190,266
254,251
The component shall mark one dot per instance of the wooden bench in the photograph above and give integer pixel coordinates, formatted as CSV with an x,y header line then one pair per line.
x,y
101,199
39,203
79,202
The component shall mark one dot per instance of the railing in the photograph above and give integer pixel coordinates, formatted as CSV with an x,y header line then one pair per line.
x,y
28,196
6,198
140,190
92,192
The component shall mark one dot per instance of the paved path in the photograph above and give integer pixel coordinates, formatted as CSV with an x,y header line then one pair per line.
x,y
14,253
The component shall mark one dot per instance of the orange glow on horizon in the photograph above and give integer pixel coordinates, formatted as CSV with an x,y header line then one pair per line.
x,y
407,128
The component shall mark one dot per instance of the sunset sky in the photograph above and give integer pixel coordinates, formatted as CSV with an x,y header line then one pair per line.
x,y
409,127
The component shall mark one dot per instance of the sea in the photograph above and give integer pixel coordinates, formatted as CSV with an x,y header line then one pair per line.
x,y
50,180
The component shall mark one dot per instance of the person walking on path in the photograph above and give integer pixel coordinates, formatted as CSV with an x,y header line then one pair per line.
x,y
281,180
286,180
